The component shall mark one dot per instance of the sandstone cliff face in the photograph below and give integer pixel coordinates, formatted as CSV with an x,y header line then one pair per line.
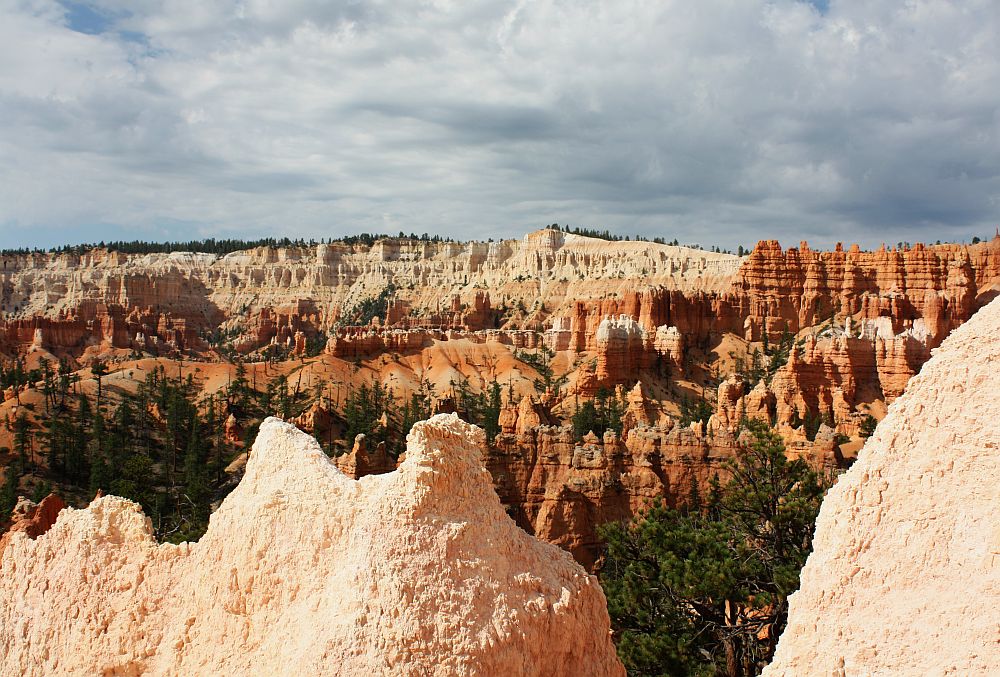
x,y
904,578
303,570
830,374
898,304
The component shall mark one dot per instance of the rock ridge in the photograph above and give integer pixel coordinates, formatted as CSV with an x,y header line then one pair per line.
x,y
414,572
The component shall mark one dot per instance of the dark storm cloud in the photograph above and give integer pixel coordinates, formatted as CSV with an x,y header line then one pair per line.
x,y
718,121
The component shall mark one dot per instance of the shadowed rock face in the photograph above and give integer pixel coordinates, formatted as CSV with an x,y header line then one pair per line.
x,y
905,576
303,570
33,520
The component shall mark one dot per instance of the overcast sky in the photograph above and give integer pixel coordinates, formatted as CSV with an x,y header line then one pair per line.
x,y
713,121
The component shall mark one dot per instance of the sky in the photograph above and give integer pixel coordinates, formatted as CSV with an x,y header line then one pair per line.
x,y
720,122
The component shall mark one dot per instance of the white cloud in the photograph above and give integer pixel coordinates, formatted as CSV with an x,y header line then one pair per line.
x,y
720,121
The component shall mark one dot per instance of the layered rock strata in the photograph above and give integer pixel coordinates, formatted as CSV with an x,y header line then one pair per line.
x,y
562,491
303,570
447,278
905,573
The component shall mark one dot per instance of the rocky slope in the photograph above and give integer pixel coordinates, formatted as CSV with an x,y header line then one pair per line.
x,y
905,573
562,490
415,572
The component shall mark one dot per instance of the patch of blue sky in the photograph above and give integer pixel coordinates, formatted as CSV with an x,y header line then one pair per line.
x,y
822,6
83,18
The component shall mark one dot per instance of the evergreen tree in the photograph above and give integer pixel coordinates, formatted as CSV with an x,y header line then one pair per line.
x,y
706,591
8,492
585,420
491,412
868,425
22,438
99,370
100,470
599,415
699,410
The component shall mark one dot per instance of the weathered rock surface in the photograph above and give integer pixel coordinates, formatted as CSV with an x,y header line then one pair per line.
x,y
303,570
32,519
800,287
313,283
562,491
905,576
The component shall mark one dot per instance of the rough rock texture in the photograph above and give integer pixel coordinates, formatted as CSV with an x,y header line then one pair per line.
x,y
32,519
361,460
830,375
800,287
305,571
562,491
905,576
619,349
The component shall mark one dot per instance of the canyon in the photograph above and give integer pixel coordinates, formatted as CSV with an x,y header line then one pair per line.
x,y
819,343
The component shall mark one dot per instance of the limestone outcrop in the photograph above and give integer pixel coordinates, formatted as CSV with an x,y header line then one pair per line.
x,y
905,573
303,570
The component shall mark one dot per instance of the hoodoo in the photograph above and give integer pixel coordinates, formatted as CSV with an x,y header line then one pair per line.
x,y
905,575
304,570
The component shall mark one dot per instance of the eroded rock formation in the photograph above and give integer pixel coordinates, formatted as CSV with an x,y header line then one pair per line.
x,y
562,491
32,519
303,570
303,288
904,577
800,287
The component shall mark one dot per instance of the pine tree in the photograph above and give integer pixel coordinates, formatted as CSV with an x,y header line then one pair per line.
x,y
706,591
491,412
8,492
22,438
99,370
585,420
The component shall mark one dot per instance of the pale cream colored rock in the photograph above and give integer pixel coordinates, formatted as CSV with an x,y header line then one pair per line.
x,y
557,268
305,571
905,575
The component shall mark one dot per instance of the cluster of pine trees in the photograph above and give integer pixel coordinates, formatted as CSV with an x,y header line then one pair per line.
x,y
207,246
614,237
608,235
216,246
159,446
16,375
374,411
763,363
599,415
369,308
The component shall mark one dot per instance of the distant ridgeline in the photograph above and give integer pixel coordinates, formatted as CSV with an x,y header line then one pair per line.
x,y
230,245
213,246
614,237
